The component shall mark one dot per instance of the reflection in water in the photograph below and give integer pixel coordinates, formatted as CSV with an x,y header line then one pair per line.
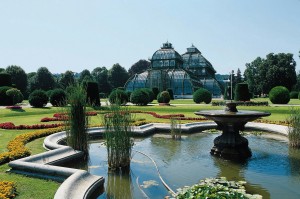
x,y
294,157
119,185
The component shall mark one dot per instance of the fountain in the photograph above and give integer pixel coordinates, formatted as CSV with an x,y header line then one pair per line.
x,y
231,145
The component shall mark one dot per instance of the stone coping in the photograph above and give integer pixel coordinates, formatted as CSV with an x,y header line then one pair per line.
x,y
78,184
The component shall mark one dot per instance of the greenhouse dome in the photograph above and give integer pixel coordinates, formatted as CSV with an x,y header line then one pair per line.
x,y
183,74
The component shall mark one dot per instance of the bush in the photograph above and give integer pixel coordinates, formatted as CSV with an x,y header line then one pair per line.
x,y
150,94
128,93
139,97
16,95
241,92
155,91
5,79
171,93
294,128
58,97
279,95
5,100
202,95
294,95
92,92
163,97
38,98
117,96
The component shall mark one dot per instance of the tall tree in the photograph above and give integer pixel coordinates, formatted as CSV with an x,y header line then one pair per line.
x,y
238,78
139,67
100,75
44,79
2,70
18,77
117,76
85,76
66,79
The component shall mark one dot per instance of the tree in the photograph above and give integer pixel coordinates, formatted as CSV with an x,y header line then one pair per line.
x,y
100,75
2,70
44,79
18,77
117,76
85,76
15,94
238,78
139,67
66,79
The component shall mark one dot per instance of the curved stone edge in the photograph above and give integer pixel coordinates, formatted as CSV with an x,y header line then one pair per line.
x,y
80,184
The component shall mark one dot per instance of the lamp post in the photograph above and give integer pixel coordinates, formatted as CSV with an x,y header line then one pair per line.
x,y
231,84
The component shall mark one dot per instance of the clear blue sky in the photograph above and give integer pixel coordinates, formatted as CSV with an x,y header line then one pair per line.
x,y
75,35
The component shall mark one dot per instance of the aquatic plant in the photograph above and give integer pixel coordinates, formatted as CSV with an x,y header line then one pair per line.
x,y
175,128
118,131
77,123
294,128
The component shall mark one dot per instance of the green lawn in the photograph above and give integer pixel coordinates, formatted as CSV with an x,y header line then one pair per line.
x,y
35,188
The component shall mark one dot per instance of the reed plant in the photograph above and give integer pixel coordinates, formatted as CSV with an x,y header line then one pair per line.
x,y
294,128
118,129
77,123
175,128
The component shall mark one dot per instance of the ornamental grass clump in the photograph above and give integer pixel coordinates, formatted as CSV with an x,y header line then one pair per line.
x,y
175,128
77,123
118,129
294,128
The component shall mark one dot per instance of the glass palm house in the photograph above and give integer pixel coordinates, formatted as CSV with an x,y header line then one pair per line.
x,y
184,74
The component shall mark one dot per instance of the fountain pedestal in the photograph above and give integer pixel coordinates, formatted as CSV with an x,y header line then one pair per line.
x,y
231,145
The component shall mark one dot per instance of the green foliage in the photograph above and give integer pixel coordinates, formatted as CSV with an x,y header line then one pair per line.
x,y
138,67
44,79
202,95
118,137
117,76
92,92
85,76
216,188
67,79
16,95
294,128
155,91
294,94
140,97
163,97
241,92
170,91
175,128
4,98
100,75
77,124
150,94
5,79
118,96
18,77
279,95
38,98
58,97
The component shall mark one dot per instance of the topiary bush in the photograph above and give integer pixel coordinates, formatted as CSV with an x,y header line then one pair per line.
x,y
58,97
150,94
139,97
15,94
279,95
38,98
118,96
5,79
294,94
202,95
171,93
241,92
163,97
155,91
92,92
5,100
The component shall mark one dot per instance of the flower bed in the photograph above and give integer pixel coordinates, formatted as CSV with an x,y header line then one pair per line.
x,y
63,117
10,125
14,107
7,190
241,103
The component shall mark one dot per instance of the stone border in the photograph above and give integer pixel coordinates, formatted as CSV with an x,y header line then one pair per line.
x,y
78,184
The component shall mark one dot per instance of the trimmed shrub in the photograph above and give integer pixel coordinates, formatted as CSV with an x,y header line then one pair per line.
x,y
38,98
5,79
16,95
171,93
279,95
92,92
202,95
58,97
49,93
227,93
241,92
150,94
155,91
117,96
163,97
139,97
5,100
294,94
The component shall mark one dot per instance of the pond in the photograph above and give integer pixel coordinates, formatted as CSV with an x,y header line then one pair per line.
x,y
273,171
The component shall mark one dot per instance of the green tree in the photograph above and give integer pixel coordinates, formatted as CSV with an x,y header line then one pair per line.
x,y
238,78
44,79
117,76
100,75
139,67
66,79
15,94
18,77
2,70
85,76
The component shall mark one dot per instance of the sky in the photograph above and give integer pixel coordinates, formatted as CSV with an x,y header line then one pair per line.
x,y
76,35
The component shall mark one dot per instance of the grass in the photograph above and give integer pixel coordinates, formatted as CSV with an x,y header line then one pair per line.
x,y
35,188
